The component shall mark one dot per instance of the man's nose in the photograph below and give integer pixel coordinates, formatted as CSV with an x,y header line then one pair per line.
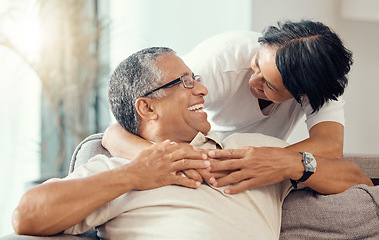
x,y
199,89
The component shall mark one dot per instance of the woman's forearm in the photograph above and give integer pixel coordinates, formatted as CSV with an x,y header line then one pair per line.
x,y
121,143
335,176
326,140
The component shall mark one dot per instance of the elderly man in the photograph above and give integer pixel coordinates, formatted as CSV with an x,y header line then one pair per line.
x,y
155,95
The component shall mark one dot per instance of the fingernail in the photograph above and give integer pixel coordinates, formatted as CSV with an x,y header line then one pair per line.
x,y
211,153
204,156
212,180
207,163
215,184
227,191
198,184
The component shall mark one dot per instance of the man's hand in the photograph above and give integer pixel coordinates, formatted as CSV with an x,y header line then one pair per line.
x,y
158,166
198,174
254,167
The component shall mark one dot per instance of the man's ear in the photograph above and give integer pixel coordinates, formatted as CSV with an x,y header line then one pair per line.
x,y
146,108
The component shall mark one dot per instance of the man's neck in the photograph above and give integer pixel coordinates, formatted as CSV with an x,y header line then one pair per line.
x,y
159,133
163,138
153,135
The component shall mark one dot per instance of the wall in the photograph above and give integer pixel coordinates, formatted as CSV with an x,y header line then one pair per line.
x,y
177,24
362,38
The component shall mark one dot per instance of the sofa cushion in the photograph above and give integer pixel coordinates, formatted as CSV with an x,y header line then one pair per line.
x,y
353,214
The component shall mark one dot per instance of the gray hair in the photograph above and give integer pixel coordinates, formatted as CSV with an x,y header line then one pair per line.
x,y
132,78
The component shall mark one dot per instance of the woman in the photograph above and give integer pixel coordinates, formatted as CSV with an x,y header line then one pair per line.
x,y
265,86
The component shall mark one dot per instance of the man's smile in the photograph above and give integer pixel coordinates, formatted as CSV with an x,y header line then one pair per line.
x,y
197,108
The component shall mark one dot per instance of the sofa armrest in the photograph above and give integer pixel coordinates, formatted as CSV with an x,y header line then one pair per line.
x,y
89,235
88,148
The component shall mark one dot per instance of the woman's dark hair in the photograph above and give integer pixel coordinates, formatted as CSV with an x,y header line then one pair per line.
x,y
311,60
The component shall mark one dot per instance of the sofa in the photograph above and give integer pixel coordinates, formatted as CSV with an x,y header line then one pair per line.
x,y
353,214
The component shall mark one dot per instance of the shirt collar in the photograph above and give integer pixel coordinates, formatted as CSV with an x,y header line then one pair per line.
x,y
200,140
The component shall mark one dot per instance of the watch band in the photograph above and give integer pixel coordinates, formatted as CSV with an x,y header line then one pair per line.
x,y
294,184
303,178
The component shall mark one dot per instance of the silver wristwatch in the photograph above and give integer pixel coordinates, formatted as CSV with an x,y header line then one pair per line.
x,y
310,165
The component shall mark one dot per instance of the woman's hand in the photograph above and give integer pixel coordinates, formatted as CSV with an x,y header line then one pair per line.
x,y
254,167
198,174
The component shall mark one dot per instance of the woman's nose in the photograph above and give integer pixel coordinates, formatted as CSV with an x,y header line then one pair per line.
x,y
256,80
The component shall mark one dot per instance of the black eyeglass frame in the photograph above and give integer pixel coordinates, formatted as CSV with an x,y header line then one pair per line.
x,y
175,82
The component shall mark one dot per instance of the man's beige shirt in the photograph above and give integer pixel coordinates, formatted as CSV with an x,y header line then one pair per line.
x,y
175,212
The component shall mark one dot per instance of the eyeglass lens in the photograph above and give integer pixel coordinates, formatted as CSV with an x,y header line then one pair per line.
x,y
187,81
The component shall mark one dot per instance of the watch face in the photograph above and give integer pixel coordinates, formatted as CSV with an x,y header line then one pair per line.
x,y
309,162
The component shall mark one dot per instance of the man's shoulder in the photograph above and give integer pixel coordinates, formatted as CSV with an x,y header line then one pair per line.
x,y
238,140
97,164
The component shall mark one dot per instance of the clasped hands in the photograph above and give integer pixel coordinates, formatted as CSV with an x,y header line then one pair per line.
x,y
251,167
245,168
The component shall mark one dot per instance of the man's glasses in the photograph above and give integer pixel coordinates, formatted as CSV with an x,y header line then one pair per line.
x,y
186,80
